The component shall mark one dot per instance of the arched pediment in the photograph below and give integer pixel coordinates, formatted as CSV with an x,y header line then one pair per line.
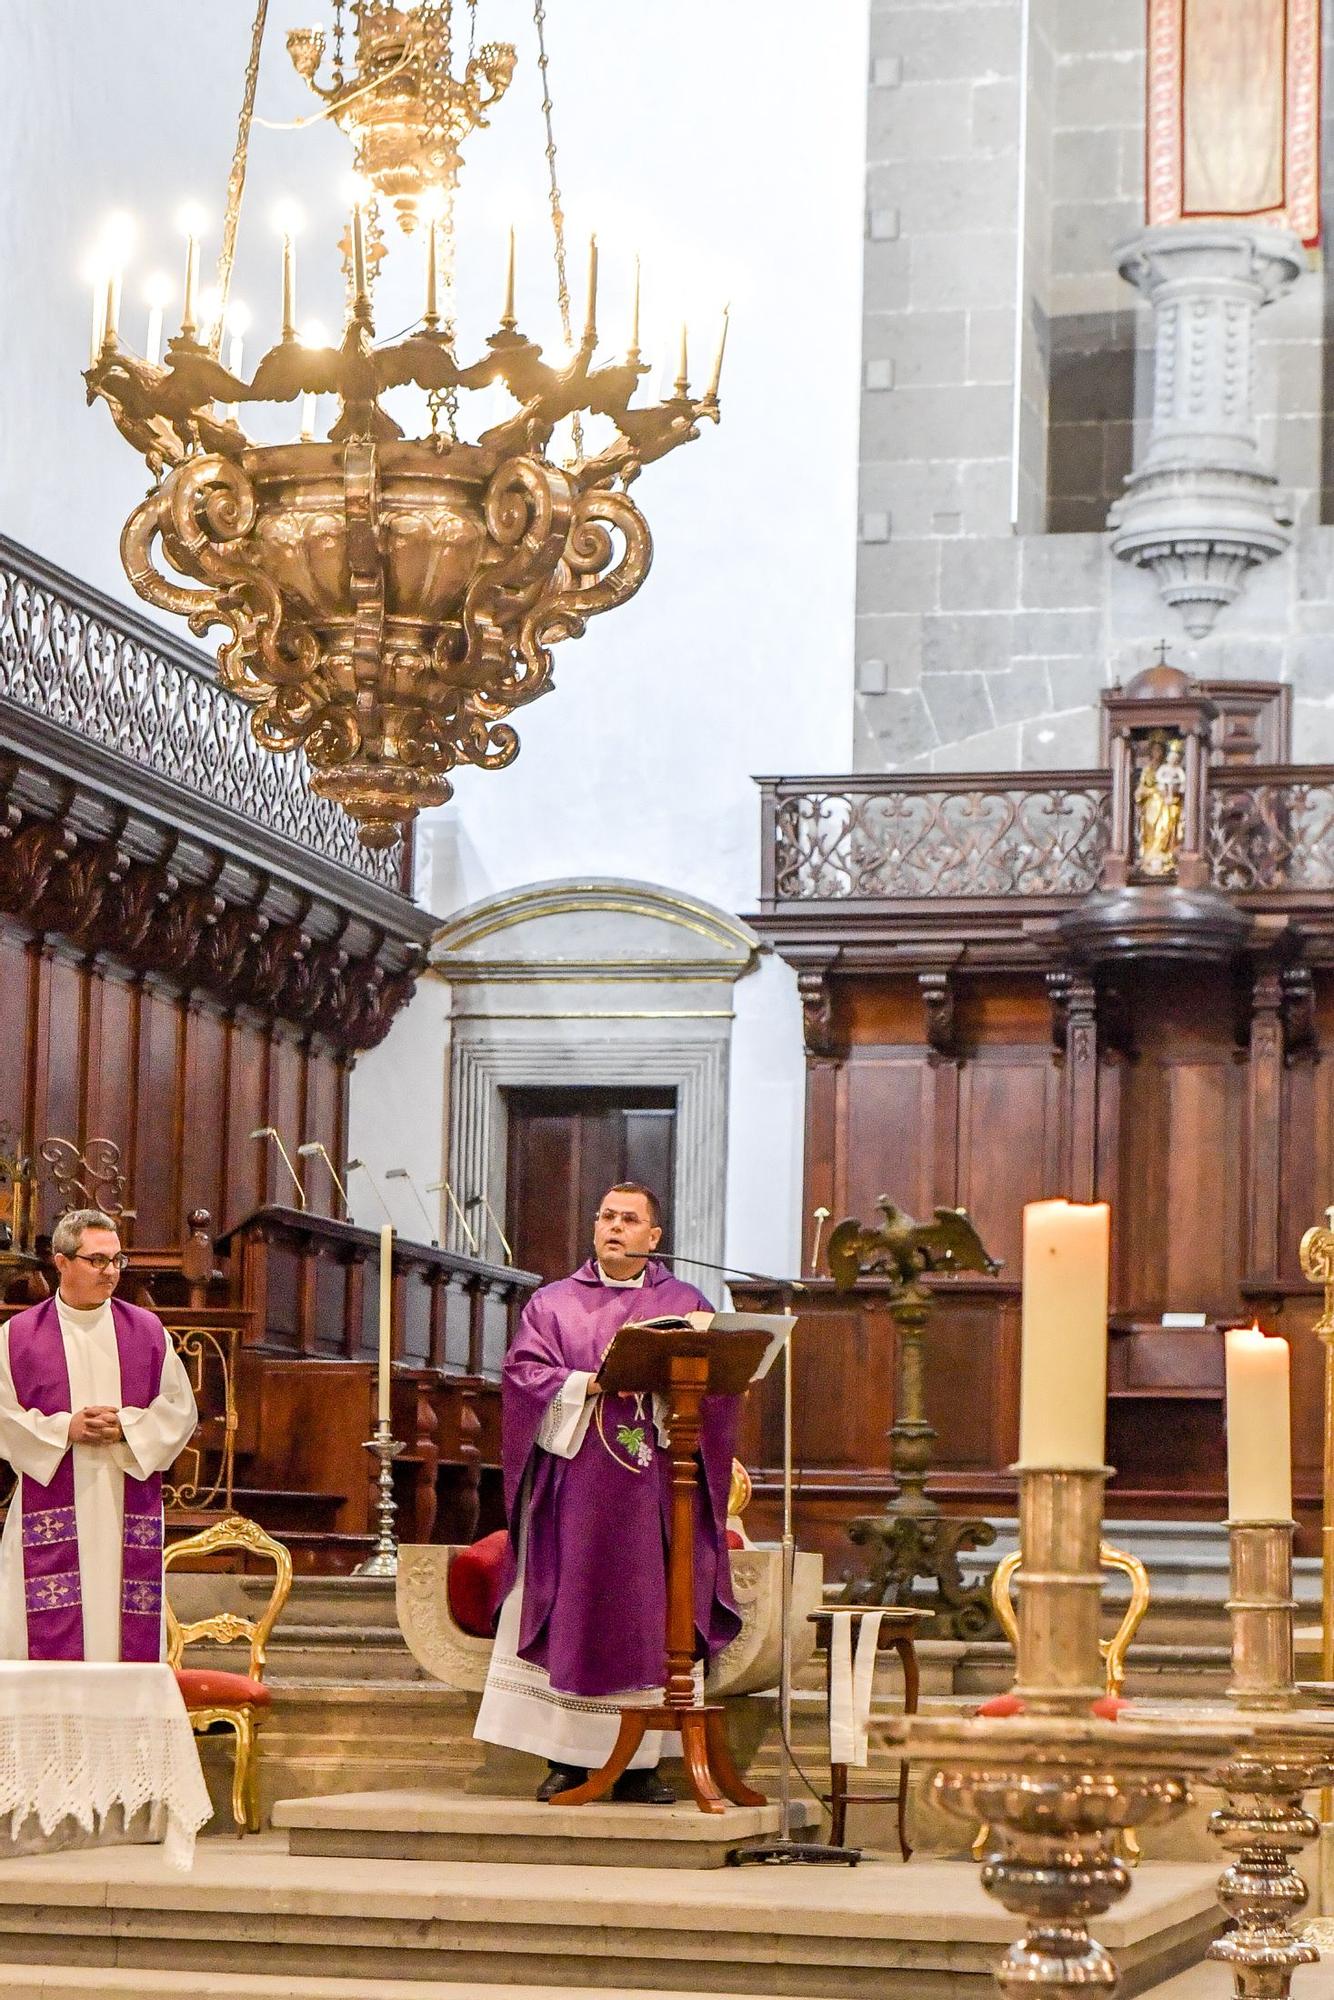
x,y
593,928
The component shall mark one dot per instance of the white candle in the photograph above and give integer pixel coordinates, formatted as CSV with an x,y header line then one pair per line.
x,y
386,1317
99,320
307,417
189,324
1259,1431
1063,1378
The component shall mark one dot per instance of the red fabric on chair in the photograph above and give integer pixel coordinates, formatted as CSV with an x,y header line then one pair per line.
x,y
202,1687
474,1585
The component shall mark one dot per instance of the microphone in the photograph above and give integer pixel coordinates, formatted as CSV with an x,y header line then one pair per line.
x,y
352,1167
402,1174
271,1132
728,1271
315,1148
481,1201
434,1187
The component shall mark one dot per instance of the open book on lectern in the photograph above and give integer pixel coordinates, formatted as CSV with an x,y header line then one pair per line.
x,y
776,1327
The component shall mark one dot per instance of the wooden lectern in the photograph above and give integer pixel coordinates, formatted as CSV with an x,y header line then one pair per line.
x,y
684,1364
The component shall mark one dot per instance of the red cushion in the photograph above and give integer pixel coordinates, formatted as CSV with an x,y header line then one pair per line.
x,y
734,1540
202,1687
474,1585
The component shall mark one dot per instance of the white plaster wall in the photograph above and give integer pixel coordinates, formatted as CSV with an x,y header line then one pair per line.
x,y
725,143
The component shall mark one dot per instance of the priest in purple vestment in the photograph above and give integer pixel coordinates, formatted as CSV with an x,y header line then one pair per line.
x,y
94,1405
588,1493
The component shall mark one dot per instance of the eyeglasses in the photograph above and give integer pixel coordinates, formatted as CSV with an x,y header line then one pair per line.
x,y
101,1263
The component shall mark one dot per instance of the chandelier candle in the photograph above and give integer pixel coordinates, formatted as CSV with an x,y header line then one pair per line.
x,y
383,1376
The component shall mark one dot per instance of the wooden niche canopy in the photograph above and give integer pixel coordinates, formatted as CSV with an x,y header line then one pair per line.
x,y
1106,984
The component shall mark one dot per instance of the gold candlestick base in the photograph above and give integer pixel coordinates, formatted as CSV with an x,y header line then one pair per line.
x,y
1056,1791
1262,1820
1055,1784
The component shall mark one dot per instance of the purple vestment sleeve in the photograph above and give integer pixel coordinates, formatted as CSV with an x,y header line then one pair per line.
x,y
594,1599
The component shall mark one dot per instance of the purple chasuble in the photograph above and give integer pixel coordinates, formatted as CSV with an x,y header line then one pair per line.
x,y
595,1571
52,1591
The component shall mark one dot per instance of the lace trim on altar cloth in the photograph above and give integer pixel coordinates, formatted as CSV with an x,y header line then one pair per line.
x,y
49,1525
143,1531
62,1767
52,1593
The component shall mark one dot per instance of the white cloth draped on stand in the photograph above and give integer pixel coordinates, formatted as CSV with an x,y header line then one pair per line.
x,y
35,1444
851,1683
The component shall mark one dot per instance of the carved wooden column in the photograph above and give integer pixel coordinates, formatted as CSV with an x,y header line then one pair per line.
x,y
938,996
1263,1115
826,1179
1075,1026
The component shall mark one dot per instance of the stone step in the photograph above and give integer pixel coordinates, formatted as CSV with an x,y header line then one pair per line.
x,y
828,1933
440,1826
31,1982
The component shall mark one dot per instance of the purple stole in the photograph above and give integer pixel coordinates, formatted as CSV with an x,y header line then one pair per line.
x,y
52,1592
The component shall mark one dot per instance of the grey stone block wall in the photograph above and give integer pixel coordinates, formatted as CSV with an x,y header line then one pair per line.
x,y
982,638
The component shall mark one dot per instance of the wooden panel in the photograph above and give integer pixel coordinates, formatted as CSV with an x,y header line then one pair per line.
x,y
285,1112
889,1097
323,1087
204,1152
111,1070
14,989
158,1130
1005,1105
247,1162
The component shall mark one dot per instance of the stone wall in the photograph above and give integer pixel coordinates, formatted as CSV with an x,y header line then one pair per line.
x,y
990,611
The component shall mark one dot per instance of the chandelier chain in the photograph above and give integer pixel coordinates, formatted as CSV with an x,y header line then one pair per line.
x,y
236,178
472,29
557,211
338,45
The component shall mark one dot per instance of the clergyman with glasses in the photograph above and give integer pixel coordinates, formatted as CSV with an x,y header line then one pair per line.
x,y
94,1406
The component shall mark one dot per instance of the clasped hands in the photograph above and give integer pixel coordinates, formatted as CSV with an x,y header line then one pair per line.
x,y
97,1424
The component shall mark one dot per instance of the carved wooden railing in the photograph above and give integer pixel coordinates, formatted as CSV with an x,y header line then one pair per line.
x,y
1271,829
80,659
1041,835
896,838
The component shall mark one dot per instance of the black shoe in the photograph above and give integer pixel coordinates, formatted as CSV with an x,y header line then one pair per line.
x,y
643,1788
560,1778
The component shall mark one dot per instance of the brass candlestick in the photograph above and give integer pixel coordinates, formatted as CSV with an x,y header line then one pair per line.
x,y
1262,1821
1055,1784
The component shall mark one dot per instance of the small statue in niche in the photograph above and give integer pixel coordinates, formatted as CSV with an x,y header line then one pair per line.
x,y
1159,799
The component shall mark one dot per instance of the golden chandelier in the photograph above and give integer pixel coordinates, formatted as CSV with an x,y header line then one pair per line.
x,y
390,600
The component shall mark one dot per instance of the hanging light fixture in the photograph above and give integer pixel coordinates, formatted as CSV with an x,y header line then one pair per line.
x,y
390,600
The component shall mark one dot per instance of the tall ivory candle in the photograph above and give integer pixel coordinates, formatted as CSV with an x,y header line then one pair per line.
x,y
386,1317
1259,1433
1063,1378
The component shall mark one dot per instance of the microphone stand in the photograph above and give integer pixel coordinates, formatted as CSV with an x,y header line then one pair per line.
x,y
784,1850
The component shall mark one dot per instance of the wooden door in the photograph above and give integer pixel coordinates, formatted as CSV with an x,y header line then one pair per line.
x,y
566,1148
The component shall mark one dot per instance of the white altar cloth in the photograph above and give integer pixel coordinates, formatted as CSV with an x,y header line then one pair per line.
x,y
98,1744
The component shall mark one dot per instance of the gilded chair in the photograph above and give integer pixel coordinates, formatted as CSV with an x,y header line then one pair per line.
x,y
1113,1650
213,1698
